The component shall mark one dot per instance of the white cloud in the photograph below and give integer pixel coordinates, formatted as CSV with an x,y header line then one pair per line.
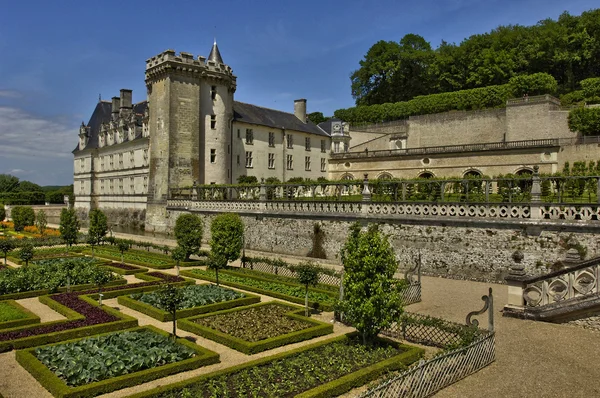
x,y
19,171
10,94
23,135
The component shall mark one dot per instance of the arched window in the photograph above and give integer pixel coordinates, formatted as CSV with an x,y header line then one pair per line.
x,y
426,174
384,176
524,172
472,173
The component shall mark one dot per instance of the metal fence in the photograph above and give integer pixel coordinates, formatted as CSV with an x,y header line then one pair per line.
x,y
428,377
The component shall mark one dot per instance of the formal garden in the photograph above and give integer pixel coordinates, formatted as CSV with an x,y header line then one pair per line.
x,y
231,325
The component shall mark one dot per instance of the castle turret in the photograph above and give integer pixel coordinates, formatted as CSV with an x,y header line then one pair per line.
x,y
190,116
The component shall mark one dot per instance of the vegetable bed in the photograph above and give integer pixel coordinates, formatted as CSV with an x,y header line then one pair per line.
x,y
100,364
265,275
198,299
284,290
134,257
13,314
323,369
257,327
124,269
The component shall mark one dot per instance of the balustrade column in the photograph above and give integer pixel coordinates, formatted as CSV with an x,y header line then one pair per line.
x,y
536,195
366,194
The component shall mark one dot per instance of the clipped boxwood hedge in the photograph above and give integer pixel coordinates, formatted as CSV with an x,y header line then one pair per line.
x,y
117,257
165,316
121,271
319,329
38,257
59,388
292,299
42,292
30,318
334,388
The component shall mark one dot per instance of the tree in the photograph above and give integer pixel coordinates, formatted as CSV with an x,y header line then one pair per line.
x,y
98,228
188,233
178,255
308,275
372,300
316,117
227,236
101,277
69,266
69,227
6,245
41,222
22,216
26,253
170,298
2,212
123,247
8,183
217,262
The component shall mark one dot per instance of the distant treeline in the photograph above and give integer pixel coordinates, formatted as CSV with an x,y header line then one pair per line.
x,y
16,192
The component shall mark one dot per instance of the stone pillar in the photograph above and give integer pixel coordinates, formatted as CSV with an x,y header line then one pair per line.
x,y
366,194
262,196
536,195
514,280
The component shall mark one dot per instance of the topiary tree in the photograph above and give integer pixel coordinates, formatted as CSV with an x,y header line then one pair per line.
x,y
22,217
69,266
6,245
26,253
123,247
217,262
178,254
69,227
372,300
227,236
170,298
98,228
40,222
307,274
101,277
188,232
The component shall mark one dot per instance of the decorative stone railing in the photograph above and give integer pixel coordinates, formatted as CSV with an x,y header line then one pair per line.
x,y
492,146
572,284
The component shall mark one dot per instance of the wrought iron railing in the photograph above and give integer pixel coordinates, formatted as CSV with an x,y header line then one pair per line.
x,y
467,350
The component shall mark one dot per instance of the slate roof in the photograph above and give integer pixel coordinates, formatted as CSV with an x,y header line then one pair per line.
x,y
215,54
326,125
102,114
253,114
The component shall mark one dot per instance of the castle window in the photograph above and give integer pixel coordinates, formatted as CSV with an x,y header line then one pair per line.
x,y
131,185
307,143
239,134
248,159
131,159
336,147
111,162
145,157
101,163
120,186
323,146
120,161
272,139
213,122
213,92
323,164
213,155
271,160
307,163
111,185
290,162
238,160
101,186
249,137
290,141
81,165
145,184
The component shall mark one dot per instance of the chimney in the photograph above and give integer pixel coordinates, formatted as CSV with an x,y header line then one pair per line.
x,y
300,109
126,98
115,107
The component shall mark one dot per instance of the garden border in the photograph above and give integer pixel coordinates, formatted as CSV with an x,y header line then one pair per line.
x,y
29,320
62,289
333,388
121,271
249,348
59,388
134,262
164,316
296,300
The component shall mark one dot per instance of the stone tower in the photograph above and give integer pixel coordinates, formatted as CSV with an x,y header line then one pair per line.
x,y
191,111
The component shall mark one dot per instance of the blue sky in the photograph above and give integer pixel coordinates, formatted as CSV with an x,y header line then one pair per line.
x,y
56,57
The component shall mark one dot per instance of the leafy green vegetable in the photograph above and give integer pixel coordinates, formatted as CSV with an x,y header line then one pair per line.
x,y
103,357
193,296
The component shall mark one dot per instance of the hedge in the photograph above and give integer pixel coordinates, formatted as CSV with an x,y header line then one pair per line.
x,y
590,87
29,320
125,322
121,271
143,276
477,98
585,120
42,292
117,257
292,299
23,198
165,316
319,329
38,257
59,388
331,389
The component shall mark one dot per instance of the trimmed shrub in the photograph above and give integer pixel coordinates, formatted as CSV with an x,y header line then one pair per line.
x,y
585,120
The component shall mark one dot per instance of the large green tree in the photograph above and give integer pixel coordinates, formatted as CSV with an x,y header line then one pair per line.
x,y
68,227
372,299
22,217
188,232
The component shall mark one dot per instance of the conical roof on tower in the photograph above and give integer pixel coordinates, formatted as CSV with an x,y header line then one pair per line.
x,y
215,55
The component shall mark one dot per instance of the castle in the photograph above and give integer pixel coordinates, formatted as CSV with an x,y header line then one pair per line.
x,y
191,131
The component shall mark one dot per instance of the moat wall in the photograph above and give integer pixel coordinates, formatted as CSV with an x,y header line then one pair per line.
x,y
451,251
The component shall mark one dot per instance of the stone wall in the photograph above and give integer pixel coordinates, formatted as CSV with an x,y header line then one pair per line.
x,y
464,252
52,212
